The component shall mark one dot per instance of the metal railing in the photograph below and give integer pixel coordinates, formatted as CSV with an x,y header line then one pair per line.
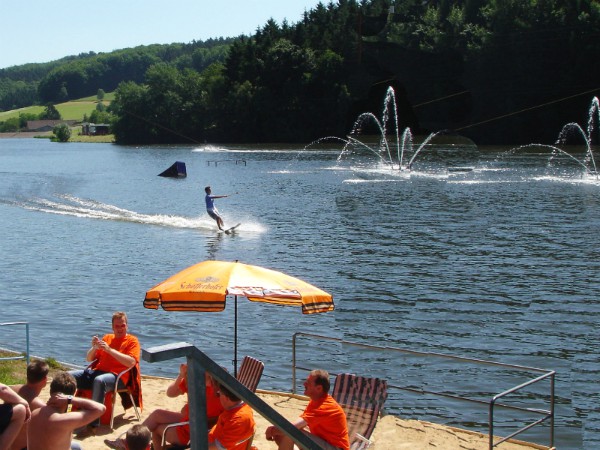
x,y
21,356
493,403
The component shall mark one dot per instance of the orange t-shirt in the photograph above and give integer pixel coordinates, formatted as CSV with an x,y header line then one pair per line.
x,y
234,425
327,420
128,345
213,410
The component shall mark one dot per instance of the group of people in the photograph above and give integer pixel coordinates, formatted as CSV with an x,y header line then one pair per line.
x,y
26,422
231,421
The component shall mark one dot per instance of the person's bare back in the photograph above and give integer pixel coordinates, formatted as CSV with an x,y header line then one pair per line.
x,y
29,394
52,425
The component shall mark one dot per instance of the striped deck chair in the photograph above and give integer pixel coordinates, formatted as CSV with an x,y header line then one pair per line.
x,y
250,372
362,400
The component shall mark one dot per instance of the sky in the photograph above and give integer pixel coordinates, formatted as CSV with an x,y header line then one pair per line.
x,y
37,31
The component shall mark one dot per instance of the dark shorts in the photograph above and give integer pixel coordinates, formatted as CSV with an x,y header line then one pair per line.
x,y
6,412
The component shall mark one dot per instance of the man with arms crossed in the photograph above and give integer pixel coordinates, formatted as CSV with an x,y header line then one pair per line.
x,y
37,378
14,412
51,426
323,415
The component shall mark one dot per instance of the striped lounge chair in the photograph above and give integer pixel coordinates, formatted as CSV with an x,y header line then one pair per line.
x,y
362,399
250,372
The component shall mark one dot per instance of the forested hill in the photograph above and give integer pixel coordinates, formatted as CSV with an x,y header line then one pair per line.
x,y
497,71
82,75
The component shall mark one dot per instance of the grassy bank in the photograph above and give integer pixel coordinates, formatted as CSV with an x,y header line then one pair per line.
x,y
15,371
76,137
71,110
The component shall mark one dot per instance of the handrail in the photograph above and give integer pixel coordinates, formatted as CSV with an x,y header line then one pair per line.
x,y
547,414
26,357
492,403
198,364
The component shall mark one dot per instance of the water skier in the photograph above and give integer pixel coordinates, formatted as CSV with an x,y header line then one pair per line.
x,y
210,206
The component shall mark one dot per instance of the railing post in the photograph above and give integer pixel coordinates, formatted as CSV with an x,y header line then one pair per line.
x,y
552,409
491,423
27,338
197,402
294,363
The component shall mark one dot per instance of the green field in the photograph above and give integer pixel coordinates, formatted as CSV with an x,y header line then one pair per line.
x,y
72,110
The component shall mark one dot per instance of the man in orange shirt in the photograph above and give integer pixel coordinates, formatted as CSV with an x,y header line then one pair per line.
x,y
324,417
235,425
112,354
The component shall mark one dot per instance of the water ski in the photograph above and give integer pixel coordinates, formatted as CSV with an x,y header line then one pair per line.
x,y
232,229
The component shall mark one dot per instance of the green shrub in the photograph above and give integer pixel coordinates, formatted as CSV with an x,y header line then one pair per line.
x,y
62,132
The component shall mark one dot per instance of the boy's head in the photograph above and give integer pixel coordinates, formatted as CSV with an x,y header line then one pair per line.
x,y
227,396
138,437
37,371
64,383
207,189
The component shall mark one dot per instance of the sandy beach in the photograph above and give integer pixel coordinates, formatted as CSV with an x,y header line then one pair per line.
x,y
391,433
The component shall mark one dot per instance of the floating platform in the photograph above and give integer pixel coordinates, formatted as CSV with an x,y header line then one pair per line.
x,y
177,170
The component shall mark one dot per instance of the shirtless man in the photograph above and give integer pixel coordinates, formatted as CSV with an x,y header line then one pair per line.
x,y
52,425
37,378
14,412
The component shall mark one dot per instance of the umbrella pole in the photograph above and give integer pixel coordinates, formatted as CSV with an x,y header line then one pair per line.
x,y
235,341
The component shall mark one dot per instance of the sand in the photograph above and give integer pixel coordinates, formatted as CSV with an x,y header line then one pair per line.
x,y
391,433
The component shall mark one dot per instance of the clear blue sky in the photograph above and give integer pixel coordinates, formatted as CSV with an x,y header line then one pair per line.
x,y
37,31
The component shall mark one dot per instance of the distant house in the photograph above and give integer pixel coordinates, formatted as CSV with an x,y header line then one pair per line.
x,y
95,129
47,125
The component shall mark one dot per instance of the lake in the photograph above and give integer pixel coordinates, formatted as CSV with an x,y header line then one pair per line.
x,y
489,254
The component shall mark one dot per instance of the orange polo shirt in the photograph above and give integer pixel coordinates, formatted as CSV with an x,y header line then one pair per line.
x,y
327,420
234,425
213,409
128,345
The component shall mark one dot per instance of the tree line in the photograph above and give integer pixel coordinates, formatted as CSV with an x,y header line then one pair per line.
x,y
453,64
80,76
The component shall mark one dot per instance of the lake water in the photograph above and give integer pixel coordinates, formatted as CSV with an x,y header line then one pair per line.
x,y
499,262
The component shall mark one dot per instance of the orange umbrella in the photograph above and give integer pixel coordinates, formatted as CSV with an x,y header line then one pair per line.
x,y
204,287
